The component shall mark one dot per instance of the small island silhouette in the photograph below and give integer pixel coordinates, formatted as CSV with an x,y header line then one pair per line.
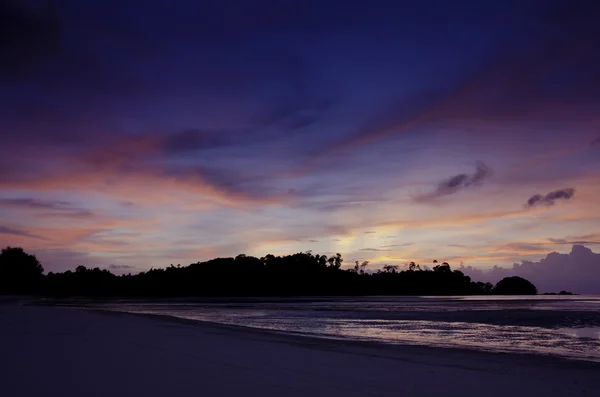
x,y
301,274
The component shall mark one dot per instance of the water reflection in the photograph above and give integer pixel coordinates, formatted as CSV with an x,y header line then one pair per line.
x,y
583,332
563,326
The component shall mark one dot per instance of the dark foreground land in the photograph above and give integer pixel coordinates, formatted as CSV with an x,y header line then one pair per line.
x,y
52,351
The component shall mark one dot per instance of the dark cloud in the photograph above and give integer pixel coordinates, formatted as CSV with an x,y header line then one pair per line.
x,y
370,232
283,121
337,205
458,182
34,203
578,271
595,142
195,139
588,239
296,115
558,241
120,267
74,214
17,232
313,241
372,249
57,208
236,183
550,198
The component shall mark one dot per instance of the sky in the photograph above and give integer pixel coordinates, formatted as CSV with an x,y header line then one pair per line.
x,y
136,134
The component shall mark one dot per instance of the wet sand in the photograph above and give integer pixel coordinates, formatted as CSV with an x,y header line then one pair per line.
x,y
54,351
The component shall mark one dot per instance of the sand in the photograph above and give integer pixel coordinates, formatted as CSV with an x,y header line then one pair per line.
x,y
63,352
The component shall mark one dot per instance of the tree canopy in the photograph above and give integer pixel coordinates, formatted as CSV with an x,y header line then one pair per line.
x,y
515,286
19,272
302,273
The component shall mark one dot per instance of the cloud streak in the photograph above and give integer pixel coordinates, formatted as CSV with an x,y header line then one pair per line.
x,y
17,232
47,208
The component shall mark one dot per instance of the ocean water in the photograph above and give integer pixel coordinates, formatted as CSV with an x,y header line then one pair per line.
x,y
563,326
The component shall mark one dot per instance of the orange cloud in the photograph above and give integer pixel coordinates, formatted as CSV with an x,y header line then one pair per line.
x,y
123,174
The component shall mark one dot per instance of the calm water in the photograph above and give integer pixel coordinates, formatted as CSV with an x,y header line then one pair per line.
x,y
566,326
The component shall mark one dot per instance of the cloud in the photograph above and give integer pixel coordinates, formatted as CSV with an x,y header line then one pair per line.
x,y
305,101
550,198
195,139
577,271
588,239
457,183
595,142
34,203
231,184
296,115
17,232
524,247
120,267
397,245
127,170
453,220
512,86
284,121
75,214
57,208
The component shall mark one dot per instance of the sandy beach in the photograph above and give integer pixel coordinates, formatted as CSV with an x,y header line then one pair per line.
x,y
52,351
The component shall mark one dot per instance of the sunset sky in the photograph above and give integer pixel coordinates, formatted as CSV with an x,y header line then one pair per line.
x,y
143,133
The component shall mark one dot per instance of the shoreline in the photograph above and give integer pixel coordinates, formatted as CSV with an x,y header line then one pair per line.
x,y
316,340
72,352
397,343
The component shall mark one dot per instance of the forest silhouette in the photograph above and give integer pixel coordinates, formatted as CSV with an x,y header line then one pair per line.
x,y
301,274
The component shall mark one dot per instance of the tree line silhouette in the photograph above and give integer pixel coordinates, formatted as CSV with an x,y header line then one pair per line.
x,y
303,273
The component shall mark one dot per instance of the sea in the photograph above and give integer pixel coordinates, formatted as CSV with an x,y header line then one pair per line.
x,y
566,326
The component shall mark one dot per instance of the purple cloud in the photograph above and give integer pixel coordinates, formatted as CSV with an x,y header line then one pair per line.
x,y
550,198
577,271
17,232
55,208
121,268
458,182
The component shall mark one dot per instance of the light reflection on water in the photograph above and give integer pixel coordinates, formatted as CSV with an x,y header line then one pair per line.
x,y
584,332
561,326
